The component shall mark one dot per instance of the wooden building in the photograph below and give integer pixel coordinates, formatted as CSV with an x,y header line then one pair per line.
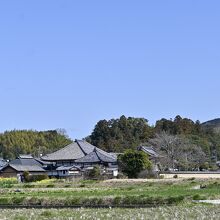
x,y
82,155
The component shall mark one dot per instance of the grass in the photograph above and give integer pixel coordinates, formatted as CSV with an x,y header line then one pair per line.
x,y
161,213
160,192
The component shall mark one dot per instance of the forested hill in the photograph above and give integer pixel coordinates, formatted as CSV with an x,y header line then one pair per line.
x,y
119,134
212,124
32,142
115,135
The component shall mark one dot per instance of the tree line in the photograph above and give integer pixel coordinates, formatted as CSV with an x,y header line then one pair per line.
x,y
182,142
13,143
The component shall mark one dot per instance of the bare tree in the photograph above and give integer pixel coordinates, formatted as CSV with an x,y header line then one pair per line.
x,y
178,151
169,145
192,157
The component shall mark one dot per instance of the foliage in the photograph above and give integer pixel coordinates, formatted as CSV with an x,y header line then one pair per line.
x,y
26,176
13,143
94,173
117,135
34,178
7,182
178,152
198,134
133,162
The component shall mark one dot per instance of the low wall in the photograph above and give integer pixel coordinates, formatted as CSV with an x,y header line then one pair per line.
x,y
199,175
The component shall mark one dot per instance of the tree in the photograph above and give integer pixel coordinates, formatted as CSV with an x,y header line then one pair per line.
x,y
169,145
133,162
178,151
32,142
192,157
117,135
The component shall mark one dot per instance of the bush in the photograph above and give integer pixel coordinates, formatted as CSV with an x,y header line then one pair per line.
x,y
46,213
198,197
95,173
17,200
175,176
26,176
34,178
122,176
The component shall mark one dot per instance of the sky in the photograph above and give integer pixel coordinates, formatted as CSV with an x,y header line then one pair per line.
x,y
68,64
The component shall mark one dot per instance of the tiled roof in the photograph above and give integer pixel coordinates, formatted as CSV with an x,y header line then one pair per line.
x,y
22,168
104,156
67,168
89,158
73,151
81,152
149,150
25,162
97,155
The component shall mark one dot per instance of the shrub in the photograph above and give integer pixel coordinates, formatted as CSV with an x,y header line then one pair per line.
x,y
174,200
46,213
34,178
175,176
117,200
198,197
17,200
95,173
26,176
122,176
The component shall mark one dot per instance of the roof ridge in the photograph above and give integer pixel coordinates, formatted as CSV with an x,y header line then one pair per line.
x,y
60,149
95,150
77,141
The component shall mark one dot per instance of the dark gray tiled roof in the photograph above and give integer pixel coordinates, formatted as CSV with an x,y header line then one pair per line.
x,y
149,150
96,156
85,146
22,168
73,151
81,152
104,156
89,158
67,168
25,162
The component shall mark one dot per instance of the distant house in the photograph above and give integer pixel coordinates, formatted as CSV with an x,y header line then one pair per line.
x,y
21,164
79,156
153,156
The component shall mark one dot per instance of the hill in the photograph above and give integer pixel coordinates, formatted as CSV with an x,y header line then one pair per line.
x,y
212,125
13,143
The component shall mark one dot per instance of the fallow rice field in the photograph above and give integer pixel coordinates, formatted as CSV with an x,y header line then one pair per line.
x,y
111,199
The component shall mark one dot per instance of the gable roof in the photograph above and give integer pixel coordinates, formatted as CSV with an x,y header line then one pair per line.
x,y
149,150
22,168
24,161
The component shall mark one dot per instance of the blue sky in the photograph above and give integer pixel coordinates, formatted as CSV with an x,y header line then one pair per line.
x,y
67,64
